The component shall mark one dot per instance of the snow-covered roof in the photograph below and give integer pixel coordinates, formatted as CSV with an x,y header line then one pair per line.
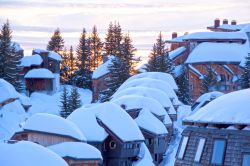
x,y
218,52
140,102
216,35
16,46
7,91
195,71
145,158
173,54
48,123
55,56
178,70
28,154
103,68
76,150
155,75
231,108
246,29
152,83
209,96
156,94
109,114
33,60
233,27
177,39
40,73
147,121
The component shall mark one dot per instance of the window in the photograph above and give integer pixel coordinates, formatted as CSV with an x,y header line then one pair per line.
x,y
218,152
112,145
199,149
183,147
246,160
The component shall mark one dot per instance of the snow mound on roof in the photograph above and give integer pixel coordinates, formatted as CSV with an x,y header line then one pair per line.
x,y
102,69
40,73
156,94
209,96
119,122
55,56
155,75
7,91
218,52
34,60
54,124
152,83
145,157
28,154
17,46
231,108
76,150
147,121
174,53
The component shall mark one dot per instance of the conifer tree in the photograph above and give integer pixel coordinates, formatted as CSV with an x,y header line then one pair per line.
x,y
109,44
96,48
65,110
152,65
9,58
75,101
118,39
65,70
83,74
56,42
71,63
245,76
184,94
209,81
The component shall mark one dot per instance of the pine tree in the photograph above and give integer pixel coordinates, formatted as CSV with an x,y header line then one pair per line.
x,y
75,101
118,39
96,48
65,70
83,74
64,103
184,94
245,76
71,63
56,42
9,58
109,44
151,66
209,81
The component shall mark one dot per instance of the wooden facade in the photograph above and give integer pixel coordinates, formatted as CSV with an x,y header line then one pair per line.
x,y
81,162
98,85
236,143
39,84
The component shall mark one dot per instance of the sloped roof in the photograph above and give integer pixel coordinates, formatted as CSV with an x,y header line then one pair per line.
x,y
7,91
102,69
40,73
48,123
33,60
55,56
175,53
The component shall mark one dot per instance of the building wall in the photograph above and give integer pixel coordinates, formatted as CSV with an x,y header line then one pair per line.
x,y
39,84
72,162
98,86
237,144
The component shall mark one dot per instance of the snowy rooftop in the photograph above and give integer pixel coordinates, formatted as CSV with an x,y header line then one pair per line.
x,y
218,52
28,154
209,96
231,108
156,94
233,27
102,69
51,54
177,39
17,46
7,91
112,116
40,73
147,121
48,123
152,83
173,54
155,75
76,150
33,60
145,158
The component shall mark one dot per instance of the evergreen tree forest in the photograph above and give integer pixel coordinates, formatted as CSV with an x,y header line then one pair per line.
x,y
245,76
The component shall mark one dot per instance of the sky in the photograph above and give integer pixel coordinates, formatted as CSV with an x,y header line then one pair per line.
x,y
34,21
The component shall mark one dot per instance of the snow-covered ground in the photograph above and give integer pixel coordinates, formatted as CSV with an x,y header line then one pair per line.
x,y
183,111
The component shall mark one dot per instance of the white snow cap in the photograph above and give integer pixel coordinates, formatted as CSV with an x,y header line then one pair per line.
x,y
231,108
7,91
28,154
48,123
76,150
156,94
209,96
155,75
55,56
218,52
40,73
176,52
147,121
103,68
152,83
16,46
33,60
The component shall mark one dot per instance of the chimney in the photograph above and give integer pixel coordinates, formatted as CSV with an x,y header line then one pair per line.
x,y
174,35
216,22
233,22
225,21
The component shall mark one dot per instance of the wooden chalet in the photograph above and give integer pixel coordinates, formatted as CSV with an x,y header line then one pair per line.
x,y
218,133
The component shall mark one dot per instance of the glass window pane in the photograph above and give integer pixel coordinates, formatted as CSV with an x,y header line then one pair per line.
x,y
246,160
183,147
199,149
218,152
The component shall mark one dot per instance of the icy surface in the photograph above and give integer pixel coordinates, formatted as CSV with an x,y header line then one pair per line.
x,y
102,69
76,150
25,153
53,124
39,73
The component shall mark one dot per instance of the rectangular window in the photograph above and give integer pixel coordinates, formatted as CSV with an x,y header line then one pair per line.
x,y
246,160
218,152
199,149
183,147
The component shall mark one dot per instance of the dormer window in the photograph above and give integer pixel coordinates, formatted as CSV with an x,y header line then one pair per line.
x,y
182,148
218,152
